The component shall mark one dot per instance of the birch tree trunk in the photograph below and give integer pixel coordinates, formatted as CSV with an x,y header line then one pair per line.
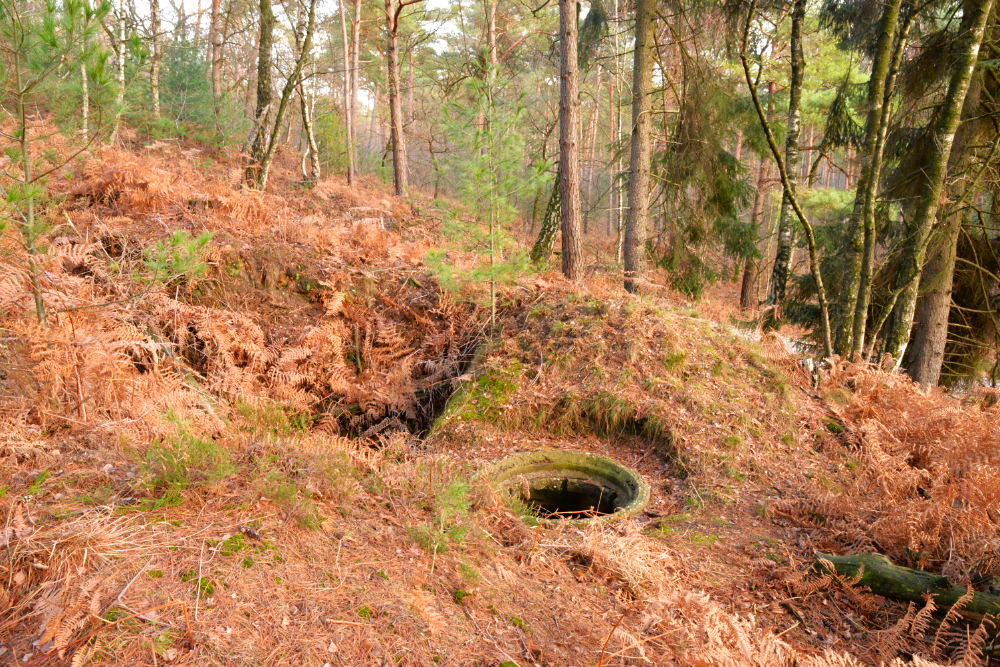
x,y
155,55
971,32
569,141
120,97
355,59
782,261
641,149
348,97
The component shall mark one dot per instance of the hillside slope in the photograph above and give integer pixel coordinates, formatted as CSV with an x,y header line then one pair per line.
x,y
249,433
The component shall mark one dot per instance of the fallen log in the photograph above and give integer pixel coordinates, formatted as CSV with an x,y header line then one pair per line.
x,y
877,572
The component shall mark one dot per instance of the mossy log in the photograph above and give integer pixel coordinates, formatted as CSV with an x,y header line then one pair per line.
x,y
902,583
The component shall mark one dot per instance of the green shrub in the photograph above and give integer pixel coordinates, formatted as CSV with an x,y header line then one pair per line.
x,y
184,459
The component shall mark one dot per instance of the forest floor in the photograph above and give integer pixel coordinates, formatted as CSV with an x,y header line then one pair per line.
x,y
261,448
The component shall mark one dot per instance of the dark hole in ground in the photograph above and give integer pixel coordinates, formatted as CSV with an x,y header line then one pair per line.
x,y
570,485
569,498
429,401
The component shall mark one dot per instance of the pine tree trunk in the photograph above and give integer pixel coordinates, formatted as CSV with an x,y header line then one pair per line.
x,y
395,104
871,166
925,353
971,30
155,55
491,33
782,261
569,141
348,98
641,149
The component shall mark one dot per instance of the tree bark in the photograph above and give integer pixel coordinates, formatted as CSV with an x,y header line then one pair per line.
x,y
902,583
925,353
782,261
751,268
215,44
971,30
399,167
155,55
120,97
641,145
871,165
251,96
491,32
348,98
258,146
550,223
85,102
868,261
355,59
595,117
789,190
569,141
294,79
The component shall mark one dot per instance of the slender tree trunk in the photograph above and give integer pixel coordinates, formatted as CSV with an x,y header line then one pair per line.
x,y
215,46
595,117
120,98
871,195
641,151
197,26
311,148
372,119
976,13
569,141
258,146
348,97
410,86
399,166
155,55
251,98
868,181
29,228
355,62
294,78
751,268
491,32
788,189
782,261
85,102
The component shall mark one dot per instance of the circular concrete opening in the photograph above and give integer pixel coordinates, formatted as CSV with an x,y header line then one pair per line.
x,y
555,484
